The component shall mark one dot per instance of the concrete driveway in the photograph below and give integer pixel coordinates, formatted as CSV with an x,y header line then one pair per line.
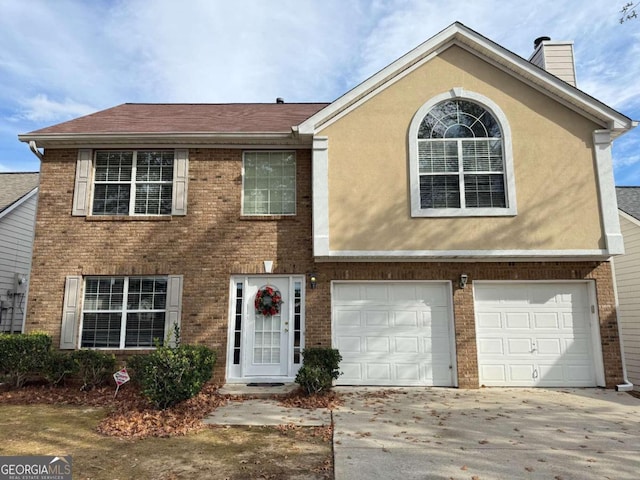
x,y
434,433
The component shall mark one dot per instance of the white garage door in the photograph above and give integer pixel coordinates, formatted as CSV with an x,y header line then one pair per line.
x,y
534,334
396,333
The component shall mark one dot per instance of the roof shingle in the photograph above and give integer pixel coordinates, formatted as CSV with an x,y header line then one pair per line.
x,y
14,186
189,118
629,200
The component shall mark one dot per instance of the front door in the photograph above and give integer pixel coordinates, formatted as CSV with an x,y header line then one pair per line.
x,y
267,335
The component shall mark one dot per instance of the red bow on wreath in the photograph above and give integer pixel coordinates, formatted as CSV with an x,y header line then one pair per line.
x,y
268,301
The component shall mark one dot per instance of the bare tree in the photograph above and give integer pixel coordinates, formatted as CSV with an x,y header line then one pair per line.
x,y
628,12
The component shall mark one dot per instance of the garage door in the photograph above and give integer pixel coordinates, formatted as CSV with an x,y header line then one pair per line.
x,y
396,333
534,334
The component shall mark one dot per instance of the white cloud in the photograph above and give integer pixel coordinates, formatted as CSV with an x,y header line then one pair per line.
x,y
68,57
41,109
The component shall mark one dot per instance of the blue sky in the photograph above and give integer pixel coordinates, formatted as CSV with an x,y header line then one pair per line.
x,y
65,58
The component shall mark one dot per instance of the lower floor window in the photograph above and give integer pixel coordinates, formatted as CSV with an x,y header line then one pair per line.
x,y
123,312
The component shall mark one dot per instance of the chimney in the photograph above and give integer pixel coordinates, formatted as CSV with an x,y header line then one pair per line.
x,y
555,57
279,100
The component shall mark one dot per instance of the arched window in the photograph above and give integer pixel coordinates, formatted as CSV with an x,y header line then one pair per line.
x,y
460,163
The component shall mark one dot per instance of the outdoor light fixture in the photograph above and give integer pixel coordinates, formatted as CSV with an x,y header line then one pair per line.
x,y
313,280
463,280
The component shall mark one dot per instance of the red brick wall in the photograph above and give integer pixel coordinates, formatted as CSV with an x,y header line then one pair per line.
x,y
213,242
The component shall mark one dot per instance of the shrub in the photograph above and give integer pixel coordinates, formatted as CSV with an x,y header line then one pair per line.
x,y
319,369
59,365
313,379
23,355
172,374
94,367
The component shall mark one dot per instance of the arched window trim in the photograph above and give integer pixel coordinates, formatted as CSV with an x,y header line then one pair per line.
x,y
510,183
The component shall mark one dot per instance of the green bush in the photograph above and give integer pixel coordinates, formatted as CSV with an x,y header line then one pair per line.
x,y
59,366
23,355
319,369
170,375
314,379
94,367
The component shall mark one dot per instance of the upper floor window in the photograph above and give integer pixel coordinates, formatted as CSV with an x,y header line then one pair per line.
x,y
133,182
127,182
461,161
269,183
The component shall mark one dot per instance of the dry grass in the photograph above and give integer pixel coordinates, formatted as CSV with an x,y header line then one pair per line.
x,y
124,438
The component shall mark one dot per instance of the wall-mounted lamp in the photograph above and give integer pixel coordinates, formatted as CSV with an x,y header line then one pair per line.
x,y
463,280
313,280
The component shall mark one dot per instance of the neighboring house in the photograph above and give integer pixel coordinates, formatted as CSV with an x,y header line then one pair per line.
x,y
447,222
627,272
18,200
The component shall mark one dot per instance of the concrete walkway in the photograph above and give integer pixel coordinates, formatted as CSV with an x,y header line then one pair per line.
x,y
422,433
266,412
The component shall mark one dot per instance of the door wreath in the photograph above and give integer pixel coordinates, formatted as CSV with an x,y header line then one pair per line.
x,y
268,301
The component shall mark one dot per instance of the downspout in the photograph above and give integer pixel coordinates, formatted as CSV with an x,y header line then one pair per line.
x,y
34,149
627,385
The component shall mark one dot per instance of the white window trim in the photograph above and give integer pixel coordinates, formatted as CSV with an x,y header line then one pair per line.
x,y
84,184
295,190
123,313
414,177
132,182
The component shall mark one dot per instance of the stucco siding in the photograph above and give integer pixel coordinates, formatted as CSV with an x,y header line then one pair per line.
x,y
553,167
627,268
16,242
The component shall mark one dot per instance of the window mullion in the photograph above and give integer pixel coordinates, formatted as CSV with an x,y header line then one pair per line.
x,y
461,174
123,321
132,187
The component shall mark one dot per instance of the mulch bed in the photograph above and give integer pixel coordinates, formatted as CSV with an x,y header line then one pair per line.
x,y
131,415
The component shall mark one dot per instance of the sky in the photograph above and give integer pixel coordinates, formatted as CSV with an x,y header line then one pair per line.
x,y
60,59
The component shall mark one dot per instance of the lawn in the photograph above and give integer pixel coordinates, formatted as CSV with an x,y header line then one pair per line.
x,y
213,452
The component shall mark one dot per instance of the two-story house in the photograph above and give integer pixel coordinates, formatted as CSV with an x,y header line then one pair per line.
x,y
447,222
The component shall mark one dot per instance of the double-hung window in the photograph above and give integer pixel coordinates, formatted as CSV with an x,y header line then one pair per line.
x,y
133,182
460,162
269,183
124,312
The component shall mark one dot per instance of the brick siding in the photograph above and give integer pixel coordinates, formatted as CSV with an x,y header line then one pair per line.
x,y
213,242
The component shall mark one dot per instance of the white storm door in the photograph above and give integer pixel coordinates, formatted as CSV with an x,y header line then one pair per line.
x,y
266,336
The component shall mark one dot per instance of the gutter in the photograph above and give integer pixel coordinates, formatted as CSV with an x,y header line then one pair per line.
x,y
626,386
34,148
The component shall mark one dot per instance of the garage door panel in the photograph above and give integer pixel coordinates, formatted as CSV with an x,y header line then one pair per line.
x,y
544,320
376,318
351,371
520,373
517,321
493,372
400,337
554,349
487,320
406,344
377,344
491,346
407,372
519,346
349,318
405,318
349,344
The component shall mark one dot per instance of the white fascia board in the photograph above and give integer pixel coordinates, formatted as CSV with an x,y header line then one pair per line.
x,y
19,202
472,41
204,138
463,255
